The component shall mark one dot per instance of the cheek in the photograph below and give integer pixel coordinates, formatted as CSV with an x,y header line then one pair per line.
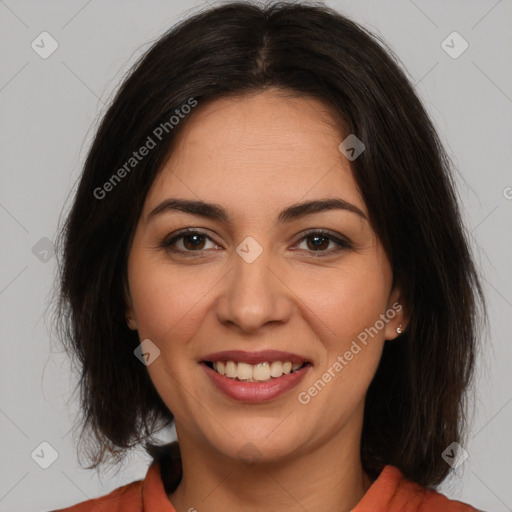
x,y
348,311
167,302
351,301
352,349
169,305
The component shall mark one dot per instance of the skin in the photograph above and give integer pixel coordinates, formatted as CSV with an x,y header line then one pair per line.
x,y
256,155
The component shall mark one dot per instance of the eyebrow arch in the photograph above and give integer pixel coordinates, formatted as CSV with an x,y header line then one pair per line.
x,y
217,212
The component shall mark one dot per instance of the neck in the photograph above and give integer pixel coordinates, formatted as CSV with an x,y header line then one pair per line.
x,y
328,477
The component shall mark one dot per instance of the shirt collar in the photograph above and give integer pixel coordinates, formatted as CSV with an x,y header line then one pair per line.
x,y
162,477
385,491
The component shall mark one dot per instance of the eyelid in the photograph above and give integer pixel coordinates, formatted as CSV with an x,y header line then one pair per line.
x,y
342,242
170,239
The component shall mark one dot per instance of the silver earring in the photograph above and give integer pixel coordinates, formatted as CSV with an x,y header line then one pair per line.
x,y
399,329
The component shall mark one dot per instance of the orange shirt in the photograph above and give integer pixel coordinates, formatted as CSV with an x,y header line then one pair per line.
x,y
391,492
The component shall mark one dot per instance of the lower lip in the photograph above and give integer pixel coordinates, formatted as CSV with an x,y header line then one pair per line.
x,y
256,391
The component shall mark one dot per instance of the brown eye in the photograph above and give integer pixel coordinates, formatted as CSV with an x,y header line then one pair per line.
x,y
318,242
193,241
187,242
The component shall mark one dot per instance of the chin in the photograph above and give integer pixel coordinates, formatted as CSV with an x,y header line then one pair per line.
x,y
256,447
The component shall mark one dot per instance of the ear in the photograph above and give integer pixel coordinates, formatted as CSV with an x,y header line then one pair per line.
x,y
131,321
398,317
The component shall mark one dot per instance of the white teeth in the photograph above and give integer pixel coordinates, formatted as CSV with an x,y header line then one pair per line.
x,y
260,372
276,368
220,368
230,369
244,371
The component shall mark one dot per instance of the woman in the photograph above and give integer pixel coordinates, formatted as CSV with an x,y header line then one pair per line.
x,y
265,248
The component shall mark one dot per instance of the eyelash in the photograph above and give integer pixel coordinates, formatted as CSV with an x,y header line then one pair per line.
x,y
342,243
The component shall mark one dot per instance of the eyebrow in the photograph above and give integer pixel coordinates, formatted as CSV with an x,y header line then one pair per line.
x,y
216,212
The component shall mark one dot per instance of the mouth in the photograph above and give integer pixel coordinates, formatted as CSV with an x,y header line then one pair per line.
x,y
260,372
255,376
260,366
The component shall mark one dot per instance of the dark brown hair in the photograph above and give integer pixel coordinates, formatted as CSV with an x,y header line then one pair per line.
x,y
415,406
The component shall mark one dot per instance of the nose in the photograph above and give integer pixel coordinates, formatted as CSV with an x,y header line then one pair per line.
x,y
254,295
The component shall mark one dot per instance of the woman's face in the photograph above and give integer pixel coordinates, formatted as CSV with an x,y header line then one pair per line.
x,y
256,280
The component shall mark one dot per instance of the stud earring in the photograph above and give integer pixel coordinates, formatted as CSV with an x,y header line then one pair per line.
x,y
399,329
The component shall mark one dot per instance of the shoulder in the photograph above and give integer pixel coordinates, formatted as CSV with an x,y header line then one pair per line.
x,y
430,500
127,498
433,500
392,492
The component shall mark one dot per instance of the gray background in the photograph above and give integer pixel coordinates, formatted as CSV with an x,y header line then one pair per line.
x,y
49,110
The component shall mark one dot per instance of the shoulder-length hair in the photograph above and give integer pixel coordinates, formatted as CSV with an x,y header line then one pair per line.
x,y
416,404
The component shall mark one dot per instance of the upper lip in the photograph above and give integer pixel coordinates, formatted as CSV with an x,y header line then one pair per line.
x,y
254,357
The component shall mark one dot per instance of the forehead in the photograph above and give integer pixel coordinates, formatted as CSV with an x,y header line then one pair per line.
x,y
259,149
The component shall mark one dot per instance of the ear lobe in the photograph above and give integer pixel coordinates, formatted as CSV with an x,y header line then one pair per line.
x,y
130,317
397,316
130,321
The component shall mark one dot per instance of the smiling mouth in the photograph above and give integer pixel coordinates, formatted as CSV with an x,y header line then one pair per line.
x,y
260,372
